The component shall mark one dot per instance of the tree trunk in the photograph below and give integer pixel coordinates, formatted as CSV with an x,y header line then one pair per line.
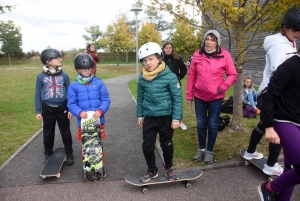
x,y
9,61
118,59
126,57
237,116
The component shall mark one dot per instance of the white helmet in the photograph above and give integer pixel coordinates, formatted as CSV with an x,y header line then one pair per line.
x,y
149,49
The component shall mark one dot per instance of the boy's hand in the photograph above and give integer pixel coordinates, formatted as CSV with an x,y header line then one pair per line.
x,y
175,124
83,115
70,115
39,117
140,122
97,114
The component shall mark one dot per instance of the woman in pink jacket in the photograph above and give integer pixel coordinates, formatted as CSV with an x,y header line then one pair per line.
x,y
206,86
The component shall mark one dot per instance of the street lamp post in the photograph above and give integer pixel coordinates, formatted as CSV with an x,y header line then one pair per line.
x,y
136,10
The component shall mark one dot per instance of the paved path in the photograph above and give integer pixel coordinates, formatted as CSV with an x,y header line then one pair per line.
x,y
20,180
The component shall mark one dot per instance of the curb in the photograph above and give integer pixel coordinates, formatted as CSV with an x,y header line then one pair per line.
x,y
20,149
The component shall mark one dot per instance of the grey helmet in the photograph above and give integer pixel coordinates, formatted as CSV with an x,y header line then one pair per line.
x,y
291,19
48,54
83,61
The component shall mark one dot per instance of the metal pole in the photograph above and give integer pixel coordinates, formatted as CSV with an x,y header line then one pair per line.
x,y
136,48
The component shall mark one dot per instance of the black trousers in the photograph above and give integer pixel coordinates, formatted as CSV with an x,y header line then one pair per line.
x,y
274,149
162,126
50,116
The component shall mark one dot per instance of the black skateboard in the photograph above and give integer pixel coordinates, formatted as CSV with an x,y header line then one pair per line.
x,y
257,162
92,148
54,164
184,177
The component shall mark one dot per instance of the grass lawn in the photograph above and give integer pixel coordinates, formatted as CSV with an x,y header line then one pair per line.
x,y
18,121
228,144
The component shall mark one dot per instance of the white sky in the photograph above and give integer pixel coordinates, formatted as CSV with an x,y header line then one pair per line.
x,y
60,23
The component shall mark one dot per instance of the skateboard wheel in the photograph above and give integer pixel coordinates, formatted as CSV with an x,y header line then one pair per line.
x,y
188,185
43,177
58,175
145,190
246,163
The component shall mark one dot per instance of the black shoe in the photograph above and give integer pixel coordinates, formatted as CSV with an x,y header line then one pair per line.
x,y
266,195
70,159
46,158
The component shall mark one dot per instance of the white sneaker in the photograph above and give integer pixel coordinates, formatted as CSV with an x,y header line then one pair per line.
x,y
255,155
183,126
275,170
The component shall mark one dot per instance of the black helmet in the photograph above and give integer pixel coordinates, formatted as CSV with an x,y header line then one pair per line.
x,y
291,19
83,61
48,54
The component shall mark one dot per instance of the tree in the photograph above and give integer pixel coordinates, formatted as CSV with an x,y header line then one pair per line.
x,y
118,37
10,38
238,21
8,7
95,36
185,38
148,33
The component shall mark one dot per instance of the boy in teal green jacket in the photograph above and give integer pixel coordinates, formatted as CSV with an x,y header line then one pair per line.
x,y
159,108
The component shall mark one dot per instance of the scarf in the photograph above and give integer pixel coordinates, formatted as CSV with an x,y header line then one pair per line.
x,y
84,80
150,75
52,72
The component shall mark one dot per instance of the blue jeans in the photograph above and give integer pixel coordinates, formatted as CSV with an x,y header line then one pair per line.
x,y
207,114
251,98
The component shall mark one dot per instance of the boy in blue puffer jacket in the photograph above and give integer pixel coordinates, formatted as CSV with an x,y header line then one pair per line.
x,y
87,93
159,108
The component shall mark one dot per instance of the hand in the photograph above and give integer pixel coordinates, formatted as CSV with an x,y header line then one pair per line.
x,y
83,115
140,122
70,115
190,104
39,117
272,136
96,115
175,124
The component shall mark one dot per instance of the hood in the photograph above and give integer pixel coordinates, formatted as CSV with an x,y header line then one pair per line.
x,y
216,33
275,39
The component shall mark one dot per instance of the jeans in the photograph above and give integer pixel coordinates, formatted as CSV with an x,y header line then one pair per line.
x,y
250,97
207,115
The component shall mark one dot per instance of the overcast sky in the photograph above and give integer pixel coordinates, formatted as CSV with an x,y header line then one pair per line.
x,y
60,23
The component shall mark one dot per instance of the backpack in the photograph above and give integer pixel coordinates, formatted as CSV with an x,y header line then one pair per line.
x,y
249,111
227,105
223,122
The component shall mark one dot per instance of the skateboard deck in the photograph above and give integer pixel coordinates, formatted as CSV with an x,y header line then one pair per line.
x,y
257,162
92,148
185,177
54,164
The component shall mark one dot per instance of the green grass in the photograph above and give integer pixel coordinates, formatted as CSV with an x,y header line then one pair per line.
x,y
228,144
18,121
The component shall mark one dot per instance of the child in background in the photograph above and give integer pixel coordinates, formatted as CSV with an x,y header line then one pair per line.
x,y
87,93
249,94
159,108
50,101
90,49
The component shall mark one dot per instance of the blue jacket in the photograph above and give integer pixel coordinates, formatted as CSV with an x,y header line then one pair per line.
x,y
88,97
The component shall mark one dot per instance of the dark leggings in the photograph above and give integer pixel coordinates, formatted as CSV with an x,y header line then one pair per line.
x,y
274,149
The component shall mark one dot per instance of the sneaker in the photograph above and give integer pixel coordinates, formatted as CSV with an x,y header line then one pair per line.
x,y
70,159
255,155
209,157
171,174
266,195
275,170
148,176
199,155
46,158
183,126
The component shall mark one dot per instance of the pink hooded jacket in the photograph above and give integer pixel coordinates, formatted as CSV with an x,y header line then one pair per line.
x,y
206,78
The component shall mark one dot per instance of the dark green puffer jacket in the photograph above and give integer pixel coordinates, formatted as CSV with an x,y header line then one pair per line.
x,y
160,96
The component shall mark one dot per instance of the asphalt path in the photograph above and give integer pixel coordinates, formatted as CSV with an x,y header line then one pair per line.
x,y
20,180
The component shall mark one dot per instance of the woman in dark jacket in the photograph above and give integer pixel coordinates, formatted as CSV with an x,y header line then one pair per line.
x,y
176,65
